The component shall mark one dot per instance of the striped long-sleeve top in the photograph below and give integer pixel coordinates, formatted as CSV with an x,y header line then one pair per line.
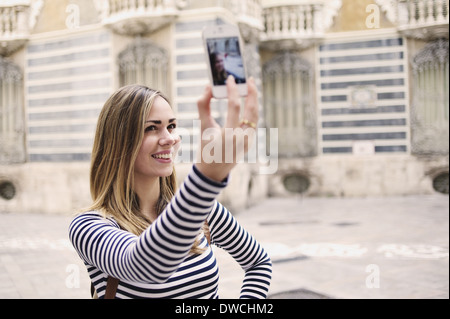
x,y
158,263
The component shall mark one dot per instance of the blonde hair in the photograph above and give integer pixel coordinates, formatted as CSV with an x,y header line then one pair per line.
x,y
118,137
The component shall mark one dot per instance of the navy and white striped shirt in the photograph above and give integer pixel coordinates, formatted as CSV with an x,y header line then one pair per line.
x,y
158,263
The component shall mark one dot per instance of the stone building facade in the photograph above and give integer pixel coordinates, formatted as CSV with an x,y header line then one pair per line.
x,y
353,93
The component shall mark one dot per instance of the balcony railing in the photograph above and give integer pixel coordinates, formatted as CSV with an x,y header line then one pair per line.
x,y
14,28
293,26
423,18
134,17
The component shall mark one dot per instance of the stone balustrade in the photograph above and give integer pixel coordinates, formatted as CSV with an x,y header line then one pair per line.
x,y
293,25
14,28
423,18
133,17
136,17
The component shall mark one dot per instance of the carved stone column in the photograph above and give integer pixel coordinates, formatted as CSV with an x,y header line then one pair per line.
x,y
430,109
12,127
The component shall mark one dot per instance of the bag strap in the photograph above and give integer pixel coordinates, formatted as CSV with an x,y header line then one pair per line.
x,y
207,233
111,287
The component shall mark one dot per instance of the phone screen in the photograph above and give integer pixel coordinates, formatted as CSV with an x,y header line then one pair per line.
x,y
225,58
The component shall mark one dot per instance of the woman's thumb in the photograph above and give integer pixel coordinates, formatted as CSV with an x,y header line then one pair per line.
x,y
204,104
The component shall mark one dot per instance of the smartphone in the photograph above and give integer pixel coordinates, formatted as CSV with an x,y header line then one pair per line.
x,y
223,49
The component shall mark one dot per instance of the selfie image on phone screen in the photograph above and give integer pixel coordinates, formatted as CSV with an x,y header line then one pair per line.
x,y
226,59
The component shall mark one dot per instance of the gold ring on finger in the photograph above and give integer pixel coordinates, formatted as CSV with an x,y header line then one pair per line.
x,y
249,123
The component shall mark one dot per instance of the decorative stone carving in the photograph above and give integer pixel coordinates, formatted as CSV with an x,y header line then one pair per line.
x,y
330,10
390,9
9,72
434,53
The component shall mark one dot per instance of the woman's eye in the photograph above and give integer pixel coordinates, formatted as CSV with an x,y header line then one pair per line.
x,y
172,127
150,128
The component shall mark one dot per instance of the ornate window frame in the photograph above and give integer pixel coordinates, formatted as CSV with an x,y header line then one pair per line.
x,y
12,126
143,62
430,103
288,98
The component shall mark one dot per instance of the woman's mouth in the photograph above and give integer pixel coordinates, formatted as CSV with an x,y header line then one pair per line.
x,y
163,157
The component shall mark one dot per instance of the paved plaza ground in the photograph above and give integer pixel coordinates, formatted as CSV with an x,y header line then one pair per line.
x,y
371,248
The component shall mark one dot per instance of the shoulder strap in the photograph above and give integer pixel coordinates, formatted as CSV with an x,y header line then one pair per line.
x,y
207,232
111,288
111,283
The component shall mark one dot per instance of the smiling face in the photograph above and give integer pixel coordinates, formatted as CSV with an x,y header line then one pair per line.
x,y
160,143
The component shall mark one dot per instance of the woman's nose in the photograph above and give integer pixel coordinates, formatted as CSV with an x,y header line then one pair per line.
x,y
169,138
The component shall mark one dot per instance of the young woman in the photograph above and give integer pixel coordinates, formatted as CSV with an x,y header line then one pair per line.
x,y
140,229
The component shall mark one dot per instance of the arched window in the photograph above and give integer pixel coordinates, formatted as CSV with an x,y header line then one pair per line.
x,y
144,63
12,132
288,100
429,118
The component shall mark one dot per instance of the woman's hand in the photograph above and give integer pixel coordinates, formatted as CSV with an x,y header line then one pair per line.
x,y
222,147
